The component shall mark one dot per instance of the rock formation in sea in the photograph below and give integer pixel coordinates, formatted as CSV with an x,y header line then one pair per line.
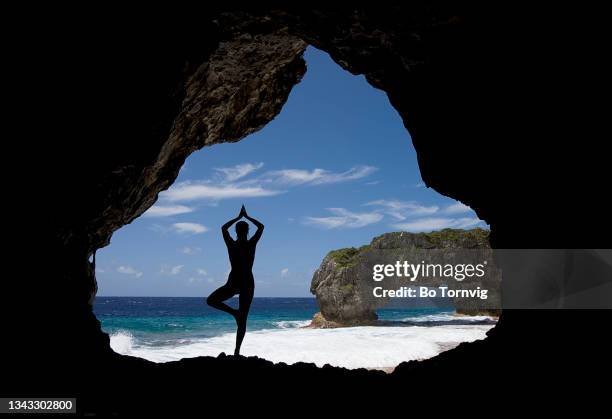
x,y
343,284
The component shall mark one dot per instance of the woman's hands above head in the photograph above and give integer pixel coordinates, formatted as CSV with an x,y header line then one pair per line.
x,y
243,212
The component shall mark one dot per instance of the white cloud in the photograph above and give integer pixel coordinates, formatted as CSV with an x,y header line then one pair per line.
x,y
317,176
175,270
128,270
343,218
194,279
425,217
172,270
284,272
190,250
419,185
166,210
231,174
188,191
201,271
400,210
457,208
232,184
431,224
189,228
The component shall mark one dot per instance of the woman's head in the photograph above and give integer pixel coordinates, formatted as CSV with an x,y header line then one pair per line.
x,y
242,229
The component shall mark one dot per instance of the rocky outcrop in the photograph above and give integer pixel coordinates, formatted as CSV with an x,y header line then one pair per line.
x,y
343,284
320,322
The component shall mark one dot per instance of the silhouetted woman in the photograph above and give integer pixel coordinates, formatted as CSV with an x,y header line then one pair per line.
x,y
240,281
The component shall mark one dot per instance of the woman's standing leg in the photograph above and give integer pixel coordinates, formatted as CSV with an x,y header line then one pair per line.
x,y
246,296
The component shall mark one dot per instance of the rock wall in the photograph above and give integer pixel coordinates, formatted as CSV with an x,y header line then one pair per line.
x,y
173,102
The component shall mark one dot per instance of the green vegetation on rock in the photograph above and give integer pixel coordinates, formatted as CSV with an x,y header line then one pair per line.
x,y
344,257
447,237
479,235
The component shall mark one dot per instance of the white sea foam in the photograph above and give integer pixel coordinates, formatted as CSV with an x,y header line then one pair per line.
x,y
122,342
355,347
290,324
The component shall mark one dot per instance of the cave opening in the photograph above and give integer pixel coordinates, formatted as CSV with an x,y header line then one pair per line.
x,y
335,169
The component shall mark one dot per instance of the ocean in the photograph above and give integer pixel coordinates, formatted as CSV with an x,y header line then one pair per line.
x,y
163,329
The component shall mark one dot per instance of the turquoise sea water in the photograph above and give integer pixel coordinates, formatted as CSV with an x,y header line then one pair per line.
x,y
168,328
162,320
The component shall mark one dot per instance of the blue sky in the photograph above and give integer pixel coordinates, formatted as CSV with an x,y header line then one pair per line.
x,y
334,169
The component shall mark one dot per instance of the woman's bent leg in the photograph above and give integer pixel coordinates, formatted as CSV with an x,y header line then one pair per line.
x,y
221,294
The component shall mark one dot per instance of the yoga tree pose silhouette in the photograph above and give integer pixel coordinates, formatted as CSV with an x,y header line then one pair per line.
x,y
240,281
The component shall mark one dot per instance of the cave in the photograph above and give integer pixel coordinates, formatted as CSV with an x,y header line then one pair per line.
x,y
336,143
156,93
